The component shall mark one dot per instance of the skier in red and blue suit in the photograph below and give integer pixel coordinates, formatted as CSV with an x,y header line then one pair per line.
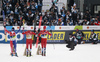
x,y
13,43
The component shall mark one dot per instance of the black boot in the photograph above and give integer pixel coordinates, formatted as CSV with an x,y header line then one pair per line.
x,y
30,54
27,54
16,55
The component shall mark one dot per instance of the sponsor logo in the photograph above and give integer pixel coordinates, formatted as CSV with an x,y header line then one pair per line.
x,y
59,27
17,27
88,33
31,27
88,27
56,36
64,28
93,27
19,36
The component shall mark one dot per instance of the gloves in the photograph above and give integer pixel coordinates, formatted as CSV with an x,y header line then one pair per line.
x,y
51,35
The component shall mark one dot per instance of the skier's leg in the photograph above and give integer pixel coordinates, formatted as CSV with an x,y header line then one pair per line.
x,y
15,45
45,42
27,42
11,45
31,46
42,45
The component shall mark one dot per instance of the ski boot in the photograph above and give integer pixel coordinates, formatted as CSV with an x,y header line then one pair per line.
x,y
11,54
16,55
30,54
27,54
42,53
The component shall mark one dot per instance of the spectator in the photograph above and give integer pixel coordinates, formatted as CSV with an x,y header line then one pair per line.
x,y
54,9
15,22
85,22
69,23
38,17
40,5
67,16
87,16
74,16
11,3
33,23
59,22
33,7
55,1
45,17
29,18
96,21
25,9
30,10
52,16
79,36
98,17
17,10
93,37
7,9
11,16
62,11
8,23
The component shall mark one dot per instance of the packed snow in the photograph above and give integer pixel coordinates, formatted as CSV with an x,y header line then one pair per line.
x,y
82,53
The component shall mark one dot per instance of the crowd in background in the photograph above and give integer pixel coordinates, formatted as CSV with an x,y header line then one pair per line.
x,y
30,10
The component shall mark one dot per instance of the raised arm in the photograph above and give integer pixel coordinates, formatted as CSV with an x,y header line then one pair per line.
x,y
18,30
49,33
33,33
7,30
24,32
40,33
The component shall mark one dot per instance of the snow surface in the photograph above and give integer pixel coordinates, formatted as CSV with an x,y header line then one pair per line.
x,y
82,53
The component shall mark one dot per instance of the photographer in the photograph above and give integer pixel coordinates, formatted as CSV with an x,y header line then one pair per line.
x,y
93,37
79,36
72,42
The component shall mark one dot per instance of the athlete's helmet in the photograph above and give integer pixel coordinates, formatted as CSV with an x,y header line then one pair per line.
x,y
13,28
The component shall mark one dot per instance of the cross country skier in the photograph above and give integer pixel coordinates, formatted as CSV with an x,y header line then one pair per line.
x,y
44,34
29,40
13,43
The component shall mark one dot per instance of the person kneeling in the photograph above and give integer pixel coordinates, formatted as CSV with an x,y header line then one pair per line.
x,y
93,37
72,42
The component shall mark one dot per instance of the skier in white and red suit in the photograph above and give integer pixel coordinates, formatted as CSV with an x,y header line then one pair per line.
x,y
44,34
29,40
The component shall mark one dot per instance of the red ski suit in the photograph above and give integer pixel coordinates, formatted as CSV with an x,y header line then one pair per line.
x,y
44,34
29,38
